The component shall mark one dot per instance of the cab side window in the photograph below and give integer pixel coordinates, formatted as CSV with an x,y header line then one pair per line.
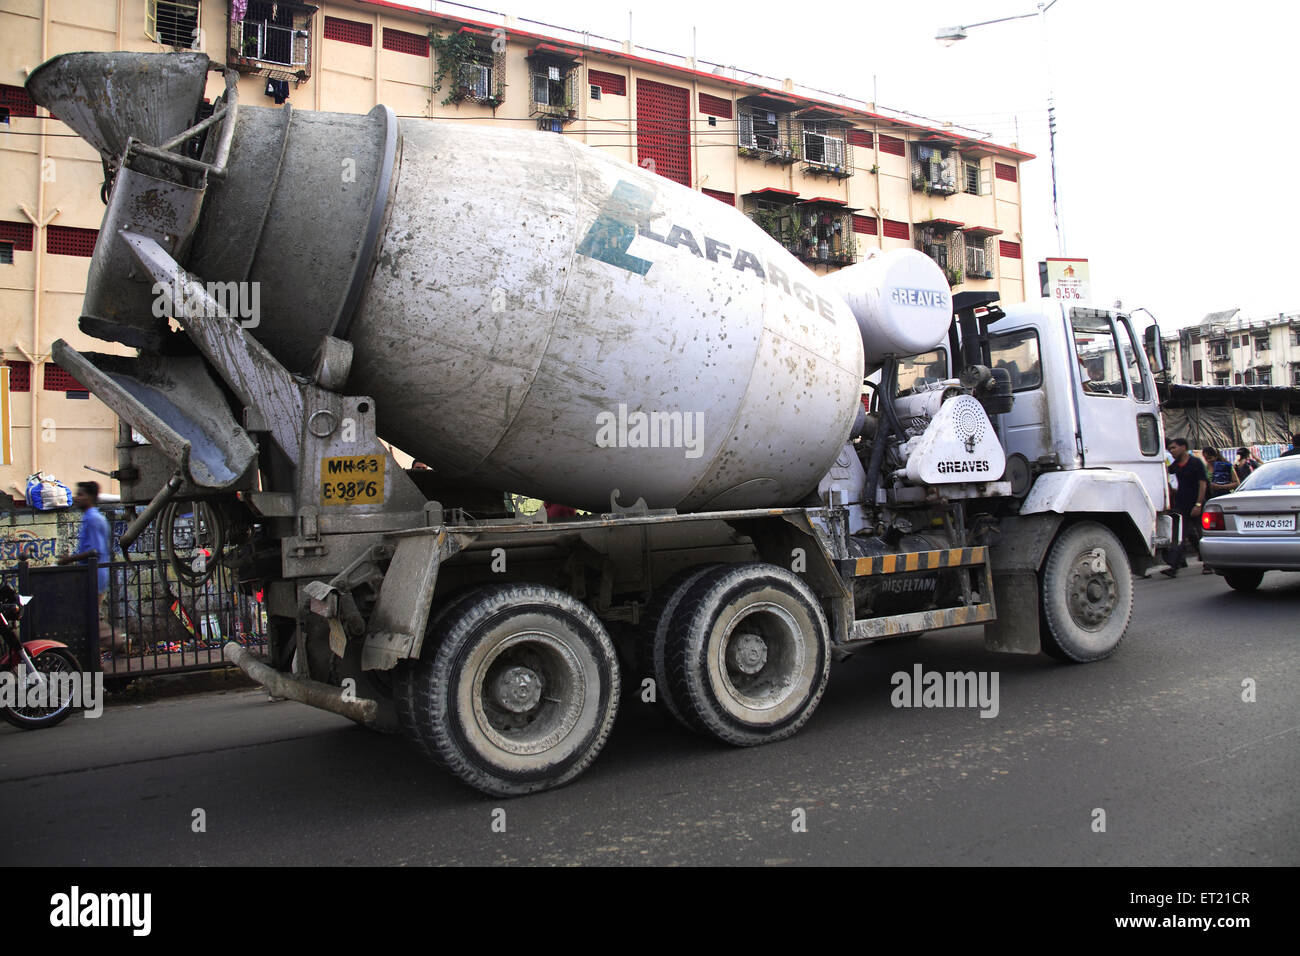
x,y
1017,352
1098,356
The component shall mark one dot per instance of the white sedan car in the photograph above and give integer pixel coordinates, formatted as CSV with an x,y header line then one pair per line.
x,y
1257,527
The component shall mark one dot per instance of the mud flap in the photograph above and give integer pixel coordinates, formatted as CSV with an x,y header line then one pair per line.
x,y
397,625
1015,631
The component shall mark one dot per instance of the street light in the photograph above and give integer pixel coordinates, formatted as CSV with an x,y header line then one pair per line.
x,y
947,36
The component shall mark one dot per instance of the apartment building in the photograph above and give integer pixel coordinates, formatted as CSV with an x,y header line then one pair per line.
x,y
829,176
1227,348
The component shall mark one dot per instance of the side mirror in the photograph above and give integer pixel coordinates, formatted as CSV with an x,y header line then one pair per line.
x,y
1155,348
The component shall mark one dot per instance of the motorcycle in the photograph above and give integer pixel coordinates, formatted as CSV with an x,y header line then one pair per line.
x,y
31,663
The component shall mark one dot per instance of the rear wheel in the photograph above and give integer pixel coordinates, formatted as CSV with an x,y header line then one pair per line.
x,y
51,665
1243,580
654,642
1086,593
520,694
748,654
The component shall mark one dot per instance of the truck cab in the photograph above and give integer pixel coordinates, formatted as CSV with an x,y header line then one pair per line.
x,y
1084,392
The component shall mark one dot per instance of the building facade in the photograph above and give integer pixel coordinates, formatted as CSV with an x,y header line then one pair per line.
x,y
829,177
1226,348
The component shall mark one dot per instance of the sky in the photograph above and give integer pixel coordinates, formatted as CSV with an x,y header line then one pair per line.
x,y
1176,141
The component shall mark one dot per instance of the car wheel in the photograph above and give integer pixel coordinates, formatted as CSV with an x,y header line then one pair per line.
x,y
1243,580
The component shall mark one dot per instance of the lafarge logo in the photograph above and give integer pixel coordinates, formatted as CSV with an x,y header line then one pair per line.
x,y
77,909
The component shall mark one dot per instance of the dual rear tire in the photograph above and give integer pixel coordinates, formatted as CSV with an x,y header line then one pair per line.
x,y
516,692
740,653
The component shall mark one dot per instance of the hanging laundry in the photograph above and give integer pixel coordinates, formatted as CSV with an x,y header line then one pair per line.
x,y
278,90
238,9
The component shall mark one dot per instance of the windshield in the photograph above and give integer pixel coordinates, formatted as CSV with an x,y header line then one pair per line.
x,y
1279,473
921,371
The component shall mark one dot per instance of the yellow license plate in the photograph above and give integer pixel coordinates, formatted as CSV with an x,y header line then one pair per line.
x,y
352,480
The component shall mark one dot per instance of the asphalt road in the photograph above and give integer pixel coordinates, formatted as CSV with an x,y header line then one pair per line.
x,y
1158,737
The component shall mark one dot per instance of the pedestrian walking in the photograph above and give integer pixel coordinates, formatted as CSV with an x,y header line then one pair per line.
x,y
1188,499
1295,447
1245,464
93,546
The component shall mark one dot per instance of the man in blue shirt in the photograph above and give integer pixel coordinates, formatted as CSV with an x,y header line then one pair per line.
x,y
93,546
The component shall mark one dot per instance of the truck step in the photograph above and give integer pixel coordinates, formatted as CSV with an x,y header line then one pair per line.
x,y
912,561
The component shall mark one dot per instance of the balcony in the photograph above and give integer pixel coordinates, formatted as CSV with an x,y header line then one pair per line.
x,y
825,146
934,170
273,40
824,232
554,86
766,130
940,239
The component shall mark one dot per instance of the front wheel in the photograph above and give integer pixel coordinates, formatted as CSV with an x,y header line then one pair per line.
x,y
521,692
1087,594
51,665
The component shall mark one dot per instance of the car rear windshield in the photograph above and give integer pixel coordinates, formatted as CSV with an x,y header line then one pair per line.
x,y
1279,473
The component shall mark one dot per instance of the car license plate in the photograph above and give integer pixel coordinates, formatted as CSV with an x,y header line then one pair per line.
x,y
1266,523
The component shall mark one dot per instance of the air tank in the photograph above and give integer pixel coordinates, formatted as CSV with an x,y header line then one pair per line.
x,y
529,313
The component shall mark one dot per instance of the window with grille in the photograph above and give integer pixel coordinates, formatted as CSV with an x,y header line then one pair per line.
x,y
399,41
16,101
973,178
1222,379
476,78
20,376
349,31
728,198
977,259
820,146
865,225
1004,171
274,32
1265,377
896,230
6,253
172,23
1295,375
892,145
760,129
1197,370
663,131
1009,250
1261,344
938,251
56,379
715,106
554,87
19,233
613,84
70,241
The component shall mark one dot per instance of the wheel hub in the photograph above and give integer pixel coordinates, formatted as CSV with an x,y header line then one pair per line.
x,y
1093,593
518,689
747,653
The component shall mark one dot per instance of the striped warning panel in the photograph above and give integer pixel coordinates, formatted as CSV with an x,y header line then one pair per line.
x,y
914,561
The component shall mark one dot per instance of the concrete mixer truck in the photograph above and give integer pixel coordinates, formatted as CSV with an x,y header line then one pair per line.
x,y
305,291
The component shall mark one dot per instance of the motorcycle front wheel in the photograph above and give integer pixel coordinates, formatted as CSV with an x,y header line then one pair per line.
x,y
51,664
